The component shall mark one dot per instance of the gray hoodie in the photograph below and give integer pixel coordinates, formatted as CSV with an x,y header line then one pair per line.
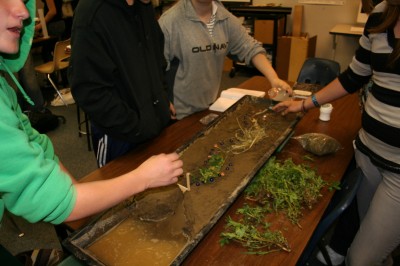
x,y
200,55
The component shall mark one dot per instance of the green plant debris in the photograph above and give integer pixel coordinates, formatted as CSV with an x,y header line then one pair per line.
x,y
334,186
211,170
248,135
254,214
277,187
256,241
287,187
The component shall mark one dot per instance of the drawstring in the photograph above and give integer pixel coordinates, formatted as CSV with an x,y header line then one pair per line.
x,y
28,99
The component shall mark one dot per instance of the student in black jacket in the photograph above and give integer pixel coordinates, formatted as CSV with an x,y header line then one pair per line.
x,y
116,73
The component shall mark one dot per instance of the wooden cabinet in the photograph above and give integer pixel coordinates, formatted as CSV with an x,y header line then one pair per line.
x,y
264,30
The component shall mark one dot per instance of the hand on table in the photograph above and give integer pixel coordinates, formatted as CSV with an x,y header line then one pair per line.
x,y
288,107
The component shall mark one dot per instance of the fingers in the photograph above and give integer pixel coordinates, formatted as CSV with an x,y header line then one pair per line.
x,y
284,85
289,90
279,107
176,165
172,111
160,170
173,156
178,170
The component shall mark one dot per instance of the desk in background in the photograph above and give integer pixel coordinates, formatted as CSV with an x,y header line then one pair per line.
x,y
344,30
344,125
40,41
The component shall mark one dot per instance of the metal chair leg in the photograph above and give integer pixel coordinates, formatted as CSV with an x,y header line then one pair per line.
x,y
55,87
88,138
87,126
78,116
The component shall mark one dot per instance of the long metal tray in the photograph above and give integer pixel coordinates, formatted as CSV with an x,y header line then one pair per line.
x,y
167,214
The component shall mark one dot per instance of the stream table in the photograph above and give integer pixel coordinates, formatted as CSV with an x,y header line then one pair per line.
x,y
343,126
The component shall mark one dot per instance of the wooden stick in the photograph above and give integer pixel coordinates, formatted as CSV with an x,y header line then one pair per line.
x,y
188,181
183,188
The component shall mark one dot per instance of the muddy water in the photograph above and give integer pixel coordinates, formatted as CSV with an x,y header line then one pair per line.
x,y
133,242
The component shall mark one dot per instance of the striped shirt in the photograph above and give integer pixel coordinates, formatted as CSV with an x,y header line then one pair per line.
x,y
211,23
379,137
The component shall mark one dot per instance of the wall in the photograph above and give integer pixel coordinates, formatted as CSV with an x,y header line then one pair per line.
x,y
319,20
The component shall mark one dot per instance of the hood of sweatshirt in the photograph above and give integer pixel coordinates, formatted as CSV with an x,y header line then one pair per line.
x,y
12,63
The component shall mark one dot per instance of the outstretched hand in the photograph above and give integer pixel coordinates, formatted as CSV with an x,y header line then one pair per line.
x,y
161,170
288,107
92,197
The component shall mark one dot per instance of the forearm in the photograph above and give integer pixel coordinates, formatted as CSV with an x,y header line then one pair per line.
x,y
51,13
94,197
52,10
157,171
331,92
261,62
49,17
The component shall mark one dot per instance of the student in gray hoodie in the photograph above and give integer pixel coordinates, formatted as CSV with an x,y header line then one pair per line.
x,y
199,34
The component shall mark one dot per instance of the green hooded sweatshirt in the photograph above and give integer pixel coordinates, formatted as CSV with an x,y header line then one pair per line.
x,y
32,185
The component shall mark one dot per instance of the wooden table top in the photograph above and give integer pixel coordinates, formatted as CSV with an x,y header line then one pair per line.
x,y
343,126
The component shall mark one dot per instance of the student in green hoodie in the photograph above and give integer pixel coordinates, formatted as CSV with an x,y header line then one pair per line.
x,y
33,182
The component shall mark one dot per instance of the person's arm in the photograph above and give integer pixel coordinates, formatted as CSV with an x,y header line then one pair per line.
x,y
261,62
37,186
52,12
246,48
93,197
332,91
65,170
173,111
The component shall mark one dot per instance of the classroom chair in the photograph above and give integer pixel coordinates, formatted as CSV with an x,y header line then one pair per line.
x,y
339,203
318,71
59,62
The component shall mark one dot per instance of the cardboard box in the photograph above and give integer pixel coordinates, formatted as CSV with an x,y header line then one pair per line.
x,y
291,54
264,30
